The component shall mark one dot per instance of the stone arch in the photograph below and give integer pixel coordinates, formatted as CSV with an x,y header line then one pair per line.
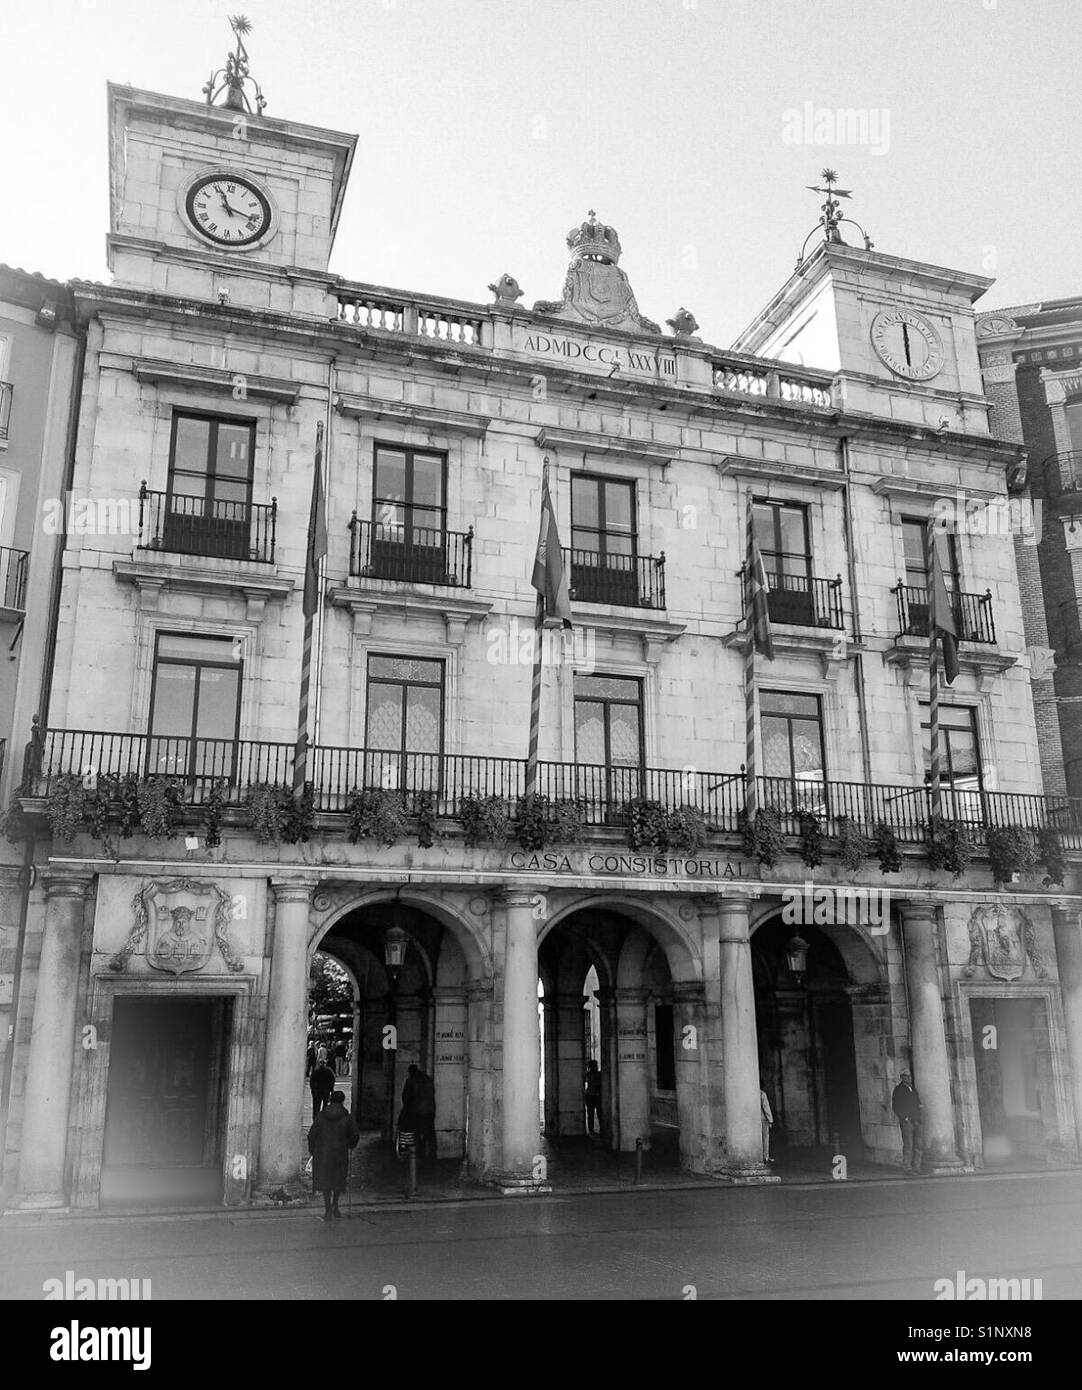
x,y
682,951
864,962
471,939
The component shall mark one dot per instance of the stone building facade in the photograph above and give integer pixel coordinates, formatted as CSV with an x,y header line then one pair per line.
x,y
162,1017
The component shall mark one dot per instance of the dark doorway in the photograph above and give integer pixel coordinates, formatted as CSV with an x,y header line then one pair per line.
x,y
1013,1065
165,1109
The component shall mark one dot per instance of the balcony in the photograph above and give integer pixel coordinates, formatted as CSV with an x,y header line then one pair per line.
x,y
602,792
413,555
804,601
972,614
6,393
621,581
14,565
180,525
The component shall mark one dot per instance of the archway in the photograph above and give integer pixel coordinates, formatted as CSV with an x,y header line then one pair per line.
x,y
808,1056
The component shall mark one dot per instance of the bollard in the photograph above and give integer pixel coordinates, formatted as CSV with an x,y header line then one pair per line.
x,y
638,1160
412,1190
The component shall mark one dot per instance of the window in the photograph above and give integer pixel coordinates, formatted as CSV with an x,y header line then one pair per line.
x,y
208,501
404,722
781,533
604,547
1074,433
916,568
609,736
793,760
959,746
195,706
409,516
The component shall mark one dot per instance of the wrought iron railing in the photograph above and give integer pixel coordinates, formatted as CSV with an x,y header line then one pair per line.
x,y
623,581
195,526
414,554
602,792
6,393
14,565
804,600
972,614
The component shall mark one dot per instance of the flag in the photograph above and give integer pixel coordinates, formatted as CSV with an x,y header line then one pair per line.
x,y
317,534
549,577
941,617
756,596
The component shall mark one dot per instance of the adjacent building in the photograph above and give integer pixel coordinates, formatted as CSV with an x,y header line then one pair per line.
x,y
181,888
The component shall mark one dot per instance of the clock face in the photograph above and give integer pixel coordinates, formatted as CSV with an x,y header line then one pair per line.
x,y
907,343
227,209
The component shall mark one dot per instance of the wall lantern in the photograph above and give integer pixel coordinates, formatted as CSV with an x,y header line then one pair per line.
x,y
395,942
796,954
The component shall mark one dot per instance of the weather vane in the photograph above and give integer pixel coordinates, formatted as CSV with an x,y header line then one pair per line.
x,y
232,78
832,217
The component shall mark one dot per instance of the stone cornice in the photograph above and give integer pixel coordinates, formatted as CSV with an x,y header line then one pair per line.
x,y
738,466
221,579
216,379
407,414
589,442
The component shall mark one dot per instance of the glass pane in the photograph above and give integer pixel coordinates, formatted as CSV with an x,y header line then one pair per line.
x,y
234,444
624,735
807,750
174,699
913,538
617,546
422,720
589,541
584,506
963,754
779,702
776,747
230,499
1074,427
171,644
390,484
218,692
188,486
589,732
405,668
762,523
428,480
792,530
618,507
427,527
384,716
192,445
607,687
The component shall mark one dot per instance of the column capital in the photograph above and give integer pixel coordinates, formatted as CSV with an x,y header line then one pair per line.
x,y
61,885
478,991
913,910
734,920
292,892
631,996
688,991
519,897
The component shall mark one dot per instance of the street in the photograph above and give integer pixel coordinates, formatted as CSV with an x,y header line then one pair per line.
x,y
882,1240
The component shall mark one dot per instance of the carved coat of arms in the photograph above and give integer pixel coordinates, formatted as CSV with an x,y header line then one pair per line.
x,y
181,921
1003,938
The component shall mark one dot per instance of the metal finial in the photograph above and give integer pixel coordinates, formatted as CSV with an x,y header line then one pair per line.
x,y
233,78
831,214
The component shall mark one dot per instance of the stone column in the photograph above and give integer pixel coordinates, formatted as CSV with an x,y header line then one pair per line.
x,y
692,1111
743,1147
521,1121
928,1038
1068,936
570,1059
43,1146
282,1122
633,1066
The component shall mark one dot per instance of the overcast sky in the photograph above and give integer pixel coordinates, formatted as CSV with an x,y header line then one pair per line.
x,y
489,127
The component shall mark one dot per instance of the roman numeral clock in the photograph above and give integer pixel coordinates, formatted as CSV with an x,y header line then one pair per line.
x,y
228,208
907,344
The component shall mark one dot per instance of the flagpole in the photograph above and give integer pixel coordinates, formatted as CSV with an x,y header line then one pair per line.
x,y
933,674
300,758
751,685
535,686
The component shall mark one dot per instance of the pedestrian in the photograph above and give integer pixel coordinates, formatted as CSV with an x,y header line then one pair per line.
x,y
321,1084
419,1104
310,1059
321,1052
340,1058
333,1134
905,1102
768,1120
593,1097
349,1060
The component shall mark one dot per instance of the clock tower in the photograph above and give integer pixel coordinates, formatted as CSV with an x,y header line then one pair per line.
x,y
899,334
211,200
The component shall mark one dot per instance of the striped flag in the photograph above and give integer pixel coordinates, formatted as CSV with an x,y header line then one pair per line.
x,y
941,617
757,617
315,551
549,576
757,595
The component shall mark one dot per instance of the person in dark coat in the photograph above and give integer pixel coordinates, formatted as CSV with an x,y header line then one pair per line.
x,y
905,1102
419,1104
321,1084
593,1097
330,1139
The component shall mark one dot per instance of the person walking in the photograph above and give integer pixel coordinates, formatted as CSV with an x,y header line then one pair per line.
x,y
905,1102
593,1097
768,1121
419,1103
321,1084
332,1135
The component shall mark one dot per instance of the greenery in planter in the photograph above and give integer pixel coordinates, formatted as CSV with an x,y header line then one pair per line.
x,y
426,820
159,800
265,803
212,812
886,850
761,837
98,810
533,829
1050,853
568,822
686,830
949,845
127,795
484,819
647,825
1011,851
853,846
811,839
375,814
16,826
65,806
297,815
